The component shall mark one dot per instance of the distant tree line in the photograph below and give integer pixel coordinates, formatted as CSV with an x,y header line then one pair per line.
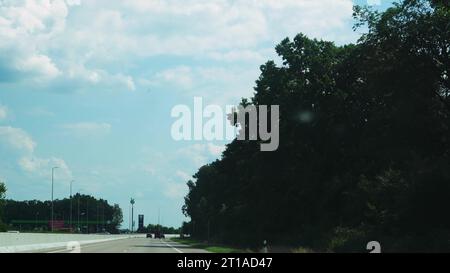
x,y
89,215
364,143
151,228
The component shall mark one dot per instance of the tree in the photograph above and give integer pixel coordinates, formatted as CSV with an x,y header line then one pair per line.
x,y
117,217
364,143
2,200
89,214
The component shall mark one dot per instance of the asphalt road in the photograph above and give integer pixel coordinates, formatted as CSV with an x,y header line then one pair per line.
x,y
132,245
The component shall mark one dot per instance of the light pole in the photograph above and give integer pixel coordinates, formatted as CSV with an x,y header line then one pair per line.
x,y
132,214
103,217
87,215
96,228
71,227
36,220
82,215
78,214
53,174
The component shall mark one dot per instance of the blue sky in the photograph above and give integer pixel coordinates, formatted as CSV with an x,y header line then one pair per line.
x,y
89,86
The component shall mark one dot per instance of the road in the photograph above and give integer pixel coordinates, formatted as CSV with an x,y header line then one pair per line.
x,y
132,245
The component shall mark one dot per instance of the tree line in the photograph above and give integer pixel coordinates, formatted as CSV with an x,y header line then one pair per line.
x,y
364,150
154,228
81,213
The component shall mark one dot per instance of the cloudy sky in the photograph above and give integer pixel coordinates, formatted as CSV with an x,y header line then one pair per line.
x,y
88,85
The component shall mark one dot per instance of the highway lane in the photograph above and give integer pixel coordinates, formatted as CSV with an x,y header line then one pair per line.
x,y
132,245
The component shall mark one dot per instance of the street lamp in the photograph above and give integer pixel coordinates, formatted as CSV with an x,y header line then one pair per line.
x,y
87,215
71,204
83,213
97,217
53,174
36,220
132,214
79,195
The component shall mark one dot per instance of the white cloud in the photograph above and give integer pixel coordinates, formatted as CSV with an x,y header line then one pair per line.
x,y
76,44
220,85
373,2
215,150
175,190
149,169
240,23
240,55
39,49
42,166
3,112
88,129
200,154
196,153
183,175
39,64
73,2
16,139
180,76
31,16
40,112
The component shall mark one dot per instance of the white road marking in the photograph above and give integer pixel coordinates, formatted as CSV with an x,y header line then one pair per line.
x,y
125,251
82,247
176,249
58,251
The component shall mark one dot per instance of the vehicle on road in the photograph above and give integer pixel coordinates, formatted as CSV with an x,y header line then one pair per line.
x,y
159,235
149,235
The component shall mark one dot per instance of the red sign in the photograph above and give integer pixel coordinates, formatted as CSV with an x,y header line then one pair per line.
x,y
56,224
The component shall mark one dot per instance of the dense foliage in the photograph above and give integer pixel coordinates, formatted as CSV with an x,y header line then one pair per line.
x,y
88,214
151,228
364,144
2,200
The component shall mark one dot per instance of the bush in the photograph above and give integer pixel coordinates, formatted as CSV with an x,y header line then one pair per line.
x,y
3,227
348,240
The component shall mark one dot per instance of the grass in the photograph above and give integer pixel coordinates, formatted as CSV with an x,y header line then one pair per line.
x,y
227,249
210,248
302,250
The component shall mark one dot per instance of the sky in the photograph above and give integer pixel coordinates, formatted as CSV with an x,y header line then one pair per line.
x,y
89,86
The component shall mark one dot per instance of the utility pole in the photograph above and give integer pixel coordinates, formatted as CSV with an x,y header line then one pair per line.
x,y
53,174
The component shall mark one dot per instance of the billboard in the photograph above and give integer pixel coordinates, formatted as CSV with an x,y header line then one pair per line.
x,y
57,225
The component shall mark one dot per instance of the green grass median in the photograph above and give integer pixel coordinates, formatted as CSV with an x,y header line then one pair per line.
x,y
208,247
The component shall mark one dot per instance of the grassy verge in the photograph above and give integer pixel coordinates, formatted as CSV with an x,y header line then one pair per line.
x,y
210,248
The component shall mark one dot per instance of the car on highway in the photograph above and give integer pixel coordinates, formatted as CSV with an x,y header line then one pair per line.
x,y
149,235
159,235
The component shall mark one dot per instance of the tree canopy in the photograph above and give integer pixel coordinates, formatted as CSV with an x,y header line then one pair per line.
x,y
2,200
89,214
364,148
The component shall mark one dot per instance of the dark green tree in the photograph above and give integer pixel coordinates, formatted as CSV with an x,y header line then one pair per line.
x,y
89,214
364,143
2,203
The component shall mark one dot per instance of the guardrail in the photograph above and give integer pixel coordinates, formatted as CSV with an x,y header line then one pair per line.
x,y
20,242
